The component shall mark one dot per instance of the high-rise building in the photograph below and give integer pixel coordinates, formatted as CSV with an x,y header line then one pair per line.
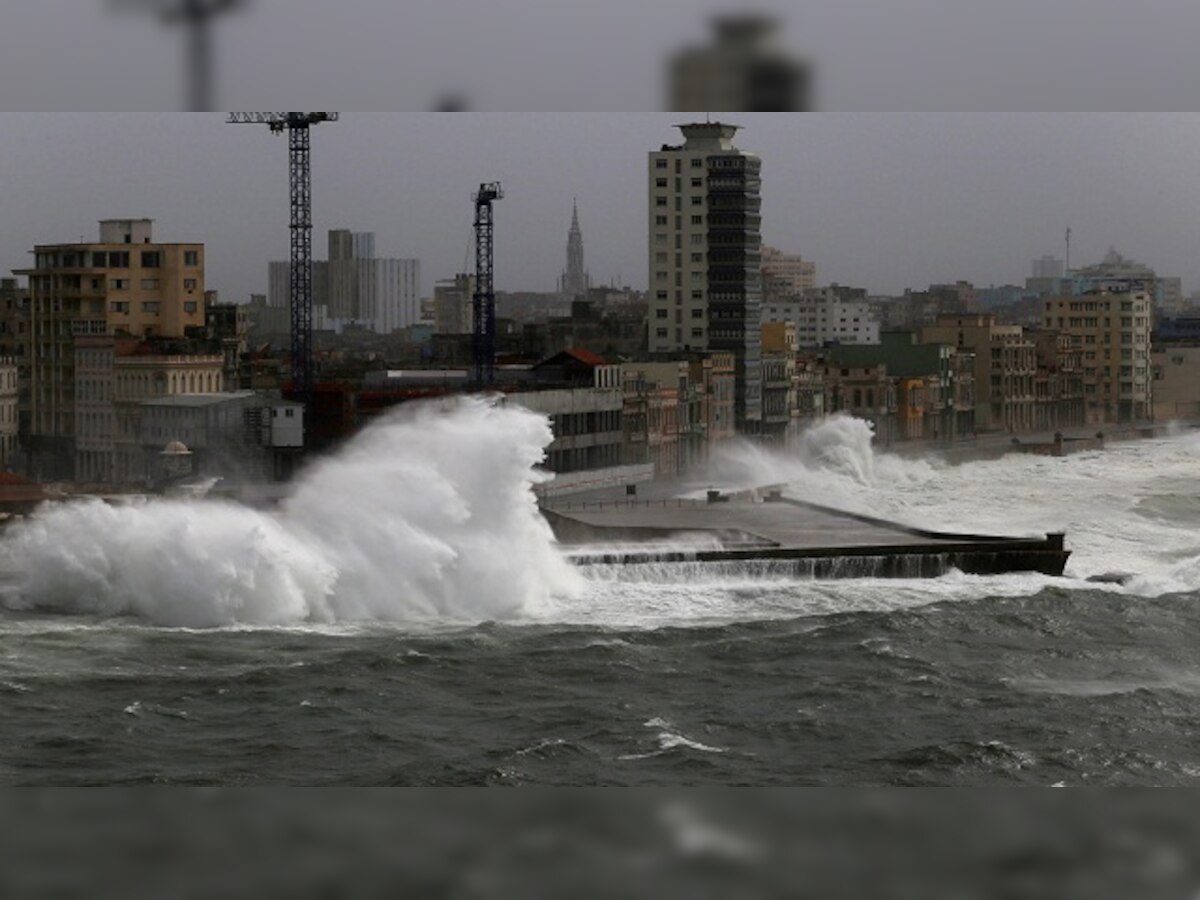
x,y
574,281
705,279
354,286
124,284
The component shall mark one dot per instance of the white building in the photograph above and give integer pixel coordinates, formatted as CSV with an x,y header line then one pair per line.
x,y
827,315
355,287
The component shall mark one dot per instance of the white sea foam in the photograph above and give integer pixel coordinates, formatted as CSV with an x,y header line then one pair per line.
x,y
427,515
1134,507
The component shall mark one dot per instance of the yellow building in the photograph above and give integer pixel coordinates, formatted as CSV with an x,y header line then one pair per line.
x,y
123,284
1112,330
1005,367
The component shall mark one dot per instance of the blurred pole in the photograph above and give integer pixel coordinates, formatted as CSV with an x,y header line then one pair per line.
x,y
200,75
197,17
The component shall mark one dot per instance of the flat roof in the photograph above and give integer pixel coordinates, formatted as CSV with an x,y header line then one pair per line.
x,y
197,400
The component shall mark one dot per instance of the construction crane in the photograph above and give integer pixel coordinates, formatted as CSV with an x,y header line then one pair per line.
x,y
297,124
483,307
197,17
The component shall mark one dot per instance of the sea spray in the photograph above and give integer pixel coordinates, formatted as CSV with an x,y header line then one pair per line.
x,y
832,462
427,515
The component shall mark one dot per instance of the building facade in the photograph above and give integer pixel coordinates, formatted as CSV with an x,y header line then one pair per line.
x,y
1005,368
785,274
827,315
705,274
123,284
1112,331
354,286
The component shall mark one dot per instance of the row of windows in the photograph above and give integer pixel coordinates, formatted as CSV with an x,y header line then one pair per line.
x,y
109,259
663,332
148,284
150,306
662,183
697,313
661,163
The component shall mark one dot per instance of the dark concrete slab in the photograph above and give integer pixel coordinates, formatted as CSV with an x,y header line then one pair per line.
x,y
765,525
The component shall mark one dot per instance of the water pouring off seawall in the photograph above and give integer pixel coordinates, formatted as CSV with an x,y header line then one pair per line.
x,y
428,515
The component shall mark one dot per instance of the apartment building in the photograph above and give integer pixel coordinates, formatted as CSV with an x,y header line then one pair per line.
x,y
705,279
123,284
1112,331
1005,368
786,274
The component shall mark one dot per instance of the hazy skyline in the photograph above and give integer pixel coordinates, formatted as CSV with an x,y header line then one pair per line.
x,y
882,201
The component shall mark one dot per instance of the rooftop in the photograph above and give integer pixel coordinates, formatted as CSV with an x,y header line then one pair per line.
x,y
200,400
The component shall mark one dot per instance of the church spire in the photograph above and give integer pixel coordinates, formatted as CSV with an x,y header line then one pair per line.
x,y
575,281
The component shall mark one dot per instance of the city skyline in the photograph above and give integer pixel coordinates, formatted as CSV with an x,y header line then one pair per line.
x,y
879,201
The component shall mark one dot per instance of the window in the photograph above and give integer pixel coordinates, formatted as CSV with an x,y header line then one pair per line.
x,y
660,201
660,313
660,332
149,284
660,164
697,201
697,295
96,283
189,284
189,306
121,306
697,313
697,182
150,306
119,284
660,220
660,182
697,220
99,260
660,240
191,257
118,260
697,257
660,258
289,413
697,332
661,295
697,163
151,259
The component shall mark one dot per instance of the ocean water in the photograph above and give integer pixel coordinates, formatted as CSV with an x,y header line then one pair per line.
x,y
405,618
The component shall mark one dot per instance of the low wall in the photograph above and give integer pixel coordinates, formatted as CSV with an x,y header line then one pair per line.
x,y
594,479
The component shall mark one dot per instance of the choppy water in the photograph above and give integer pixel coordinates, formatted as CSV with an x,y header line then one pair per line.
x,y
405,619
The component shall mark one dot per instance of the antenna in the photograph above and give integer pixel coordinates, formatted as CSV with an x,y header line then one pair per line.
x,y
1068,261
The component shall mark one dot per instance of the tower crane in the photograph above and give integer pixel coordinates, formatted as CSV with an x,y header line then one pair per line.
x,y
483,306
297,124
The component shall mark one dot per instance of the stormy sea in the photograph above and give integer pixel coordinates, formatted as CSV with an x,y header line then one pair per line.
x,y
405,617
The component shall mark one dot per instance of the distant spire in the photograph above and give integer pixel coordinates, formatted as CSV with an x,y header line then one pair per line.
x,y
574,281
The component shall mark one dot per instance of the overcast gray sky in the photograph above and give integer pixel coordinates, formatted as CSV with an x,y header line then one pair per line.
x,y
556,55
882,201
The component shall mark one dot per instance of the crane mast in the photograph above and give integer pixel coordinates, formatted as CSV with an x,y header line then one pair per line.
x,y
300,301
483,305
